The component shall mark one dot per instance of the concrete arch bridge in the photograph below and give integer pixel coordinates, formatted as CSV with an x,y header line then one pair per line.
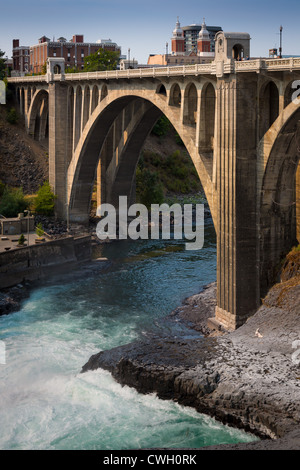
x,y
239,122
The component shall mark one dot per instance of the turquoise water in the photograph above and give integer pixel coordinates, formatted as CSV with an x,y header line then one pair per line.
x,y
45,403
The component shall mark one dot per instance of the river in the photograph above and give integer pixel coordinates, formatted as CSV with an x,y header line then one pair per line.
x,y
45,403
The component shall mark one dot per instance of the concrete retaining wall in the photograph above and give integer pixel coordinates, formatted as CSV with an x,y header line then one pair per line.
x,y
39,261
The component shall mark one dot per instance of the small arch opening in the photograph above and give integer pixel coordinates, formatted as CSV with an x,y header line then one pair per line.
x,y
238,52
207,119
175,99
95,97
161,90
57,69
191,101
269,107
104,92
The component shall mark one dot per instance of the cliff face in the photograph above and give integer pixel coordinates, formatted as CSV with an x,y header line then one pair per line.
x,y
23,161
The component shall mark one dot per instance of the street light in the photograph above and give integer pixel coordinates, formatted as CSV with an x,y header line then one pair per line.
x,y
280,48
68,216
28,213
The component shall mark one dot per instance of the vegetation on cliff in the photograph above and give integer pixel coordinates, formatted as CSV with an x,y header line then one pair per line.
x,y
165,168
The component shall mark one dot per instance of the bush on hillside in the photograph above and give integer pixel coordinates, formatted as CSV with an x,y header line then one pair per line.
x,y
12,202
161,127
12,117
45,200
148,188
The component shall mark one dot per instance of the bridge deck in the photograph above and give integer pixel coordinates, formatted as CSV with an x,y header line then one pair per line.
x,y
254,65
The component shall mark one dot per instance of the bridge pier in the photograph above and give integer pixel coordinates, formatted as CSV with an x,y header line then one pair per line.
x,y
58,140
237,237
237,121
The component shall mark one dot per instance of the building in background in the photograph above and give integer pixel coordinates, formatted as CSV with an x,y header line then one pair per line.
x,y
191,34
194,44
20,58
73,51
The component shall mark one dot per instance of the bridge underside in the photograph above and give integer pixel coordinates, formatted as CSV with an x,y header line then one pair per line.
x,y
242,133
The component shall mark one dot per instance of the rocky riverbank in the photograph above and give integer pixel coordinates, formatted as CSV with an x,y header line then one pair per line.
x,y
249,378
11,299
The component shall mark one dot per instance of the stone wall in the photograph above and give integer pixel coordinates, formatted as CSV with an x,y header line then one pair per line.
x,y
39,261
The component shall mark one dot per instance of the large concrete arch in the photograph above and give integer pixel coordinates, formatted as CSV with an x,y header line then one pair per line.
x,y
81,171
279,159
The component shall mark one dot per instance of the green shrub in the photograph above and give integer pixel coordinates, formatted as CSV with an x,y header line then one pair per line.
x,y
45,200
148,188
2,188
178,139
12,116
39,230
21,239
161,127
12,202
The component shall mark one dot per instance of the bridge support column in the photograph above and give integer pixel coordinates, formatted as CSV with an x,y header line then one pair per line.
x,y
58,140
237,241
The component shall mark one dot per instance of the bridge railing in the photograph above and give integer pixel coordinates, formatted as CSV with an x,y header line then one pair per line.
x,y
291,63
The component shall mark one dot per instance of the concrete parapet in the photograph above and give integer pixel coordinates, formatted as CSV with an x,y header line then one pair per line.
x,y
38,261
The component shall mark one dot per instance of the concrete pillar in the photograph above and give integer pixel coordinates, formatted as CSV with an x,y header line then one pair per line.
x,y
58,132
99,172
237,296
298,202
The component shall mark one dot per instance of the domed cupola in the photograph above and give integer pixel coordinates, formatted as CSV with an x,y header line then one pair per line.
x,y
203,43
178,40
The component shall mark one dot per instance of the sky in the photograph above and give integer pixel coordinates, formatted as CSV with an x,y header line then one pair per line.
x,y
145,27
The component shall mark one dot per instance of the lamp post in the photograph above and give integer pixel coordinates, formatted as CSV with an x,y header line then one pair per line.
x,y
68,217
280,48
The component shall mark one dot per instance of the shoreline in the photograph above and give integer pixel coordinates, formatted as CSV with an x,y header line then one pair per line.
x,y
240,378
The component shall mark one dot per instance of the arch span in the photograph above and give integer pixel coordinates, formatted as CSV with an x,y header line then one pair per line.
x,y
278,207
38,114
82,168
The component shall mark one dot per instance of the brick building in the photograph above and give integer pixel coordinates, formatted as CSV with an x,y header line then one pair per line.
x,y
190,45
73,51
20,57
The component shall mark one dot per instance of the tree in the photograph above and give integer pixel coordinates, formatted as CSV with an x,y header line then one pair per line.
x,y
2,65
12,116
12,202
21,239
45,200
101,60
39,230
148,187
161,127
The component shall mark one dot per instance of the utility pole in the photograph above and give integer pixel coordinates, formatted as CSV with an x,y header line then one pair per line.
x,y
280,48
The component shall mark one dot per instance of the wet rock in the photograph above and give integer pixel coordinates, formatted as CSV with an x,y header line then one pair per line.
x,y
241,380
